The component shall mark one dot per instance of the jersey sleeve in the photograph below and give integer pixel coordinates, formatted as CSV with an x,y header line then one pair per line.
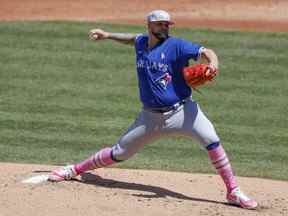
x,y
138,37
139,40
188,50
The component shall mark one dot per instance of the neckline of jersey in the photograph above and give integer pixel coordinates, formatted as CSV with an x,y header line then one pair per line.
x,y
156,45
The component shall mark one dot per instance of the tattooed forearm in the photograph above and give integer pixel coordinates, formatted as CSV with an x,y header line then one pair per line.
x,y
125,38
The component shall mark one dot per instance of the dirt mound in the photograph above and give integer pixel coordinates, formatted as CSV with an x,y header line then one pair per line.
x,y
267,15
126,192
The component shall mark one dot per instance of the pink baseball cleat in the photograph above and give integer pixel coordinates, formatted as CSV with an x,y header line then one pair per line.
x,y
236,197
63,174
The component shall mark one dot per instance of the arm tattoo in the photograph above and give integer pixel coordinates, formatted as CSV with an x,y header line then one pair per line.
x,y
125,38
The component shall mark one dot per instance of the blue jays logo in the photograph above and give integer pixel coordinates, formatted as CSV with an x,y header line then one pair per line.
x,y
164,80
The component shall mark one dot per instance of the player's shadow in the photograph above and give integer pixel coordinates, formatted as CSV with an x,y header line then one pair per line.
x,y
156,192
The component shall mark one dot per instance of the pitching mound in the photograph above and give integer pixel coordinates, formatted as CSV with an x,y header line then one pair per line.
x,y
129,192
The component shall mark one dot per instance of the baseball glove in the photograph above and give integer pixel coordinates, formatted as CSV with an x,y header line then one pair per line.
x,y
198,74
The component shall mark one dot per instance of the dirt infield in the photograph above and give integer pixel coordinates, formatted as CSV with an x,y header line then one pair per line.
x,y
126,192
267,15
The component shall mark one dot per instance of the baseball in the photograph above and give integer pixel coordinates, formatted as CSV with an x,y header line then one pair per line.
x,y
94,36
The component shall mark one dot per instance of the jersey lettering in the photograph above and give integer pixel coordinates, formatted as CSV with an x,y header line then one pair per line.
x,y
159,70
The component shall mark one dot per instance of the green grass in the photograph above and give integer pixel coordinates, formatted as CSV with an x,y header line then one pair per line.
x,y
62,97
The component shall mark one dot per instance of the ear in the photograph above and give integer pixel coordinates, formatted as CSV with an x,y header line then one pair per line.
x,y
149,25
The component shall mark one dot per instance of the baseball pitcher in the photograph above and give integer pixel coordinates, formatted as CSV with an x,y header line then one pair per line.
x,y
165,84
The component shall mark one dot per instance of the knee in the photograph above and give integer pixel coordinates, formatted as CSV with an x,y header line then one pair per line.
x,y
208,139
120,154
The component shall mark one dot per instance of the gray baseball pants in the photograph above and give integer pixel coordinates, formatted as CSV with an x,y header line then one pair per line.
x,y
187,120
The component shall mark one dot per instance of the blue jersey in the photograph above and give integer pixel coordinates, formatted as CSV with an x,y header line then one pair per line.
x,y
159,69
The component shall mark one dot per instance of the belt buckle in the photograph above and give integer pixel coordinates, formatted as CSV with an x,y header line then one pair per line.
x,y
180,103
177,105
170,108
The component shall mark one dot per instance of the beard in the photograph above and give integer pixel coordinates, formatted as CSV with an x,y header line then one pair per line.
x,y
161,35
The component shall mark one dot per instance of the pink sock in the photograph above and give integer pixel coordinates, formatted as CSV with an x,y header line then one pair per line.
x,y
102,158
221,162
